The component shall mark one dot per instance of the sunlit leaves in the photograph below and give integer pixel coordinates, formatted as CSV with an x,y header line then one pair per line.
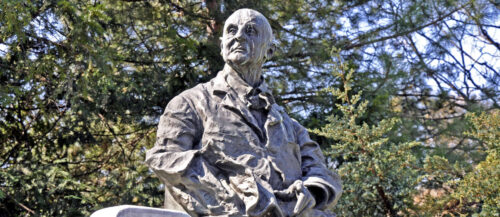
x,y
379,176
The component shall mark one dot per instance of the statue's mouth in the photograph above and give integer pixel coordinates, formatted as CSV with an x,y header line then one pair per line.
x,y
240,49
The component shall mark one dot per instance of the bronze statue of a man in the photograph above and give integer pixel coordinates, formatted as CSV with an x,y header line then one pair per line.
x,y
225,148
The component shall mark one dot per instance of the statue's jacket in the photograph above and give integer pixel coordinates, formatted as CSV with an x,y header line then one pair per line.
x,y
216,160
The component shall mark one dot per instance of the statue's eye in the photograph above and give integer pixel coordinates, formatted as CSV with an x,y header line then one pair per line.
x,y
232,30
251,30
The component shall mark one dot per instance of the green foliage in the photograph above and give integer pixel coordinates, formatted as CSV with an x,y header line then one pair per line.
x,y
73,123
382,177
379,176
470,191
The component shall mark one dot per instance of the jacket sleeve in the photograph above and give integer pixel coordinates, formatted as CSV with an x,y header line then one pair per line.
x,y
324,184
176,141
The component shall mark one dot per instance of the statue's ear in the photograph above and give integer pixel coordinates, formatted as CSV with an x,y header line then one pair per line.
x,y
270,50
220,46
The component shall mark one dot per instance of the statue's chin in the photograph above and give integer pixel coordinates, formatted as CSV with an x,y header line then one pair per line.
x,y
238,59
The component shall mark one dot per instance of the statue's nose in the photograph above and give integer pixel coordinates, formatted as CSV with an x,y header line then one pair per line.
x,y
240,35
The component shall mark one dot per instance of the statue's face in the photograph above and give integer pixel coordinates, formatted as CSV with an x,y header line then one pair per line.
x,y
246,38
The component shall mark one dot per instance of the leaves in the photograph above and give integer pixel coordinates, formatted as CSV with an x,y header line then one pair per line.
x,y
378,175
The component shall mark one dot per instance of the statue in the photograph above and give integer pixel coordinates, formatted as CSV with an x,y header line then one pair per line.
x,y
225,148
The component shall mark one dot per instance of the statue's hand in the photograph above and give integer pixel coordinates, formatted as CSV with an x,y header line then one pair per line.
x,y
297,190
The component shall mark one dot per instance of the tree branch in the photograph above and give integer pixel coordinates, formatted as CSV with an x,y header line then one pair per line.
x,y
439,19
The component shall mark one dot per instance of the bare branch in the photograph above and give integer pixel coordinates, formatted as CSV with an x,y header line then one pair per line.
x,y
437,20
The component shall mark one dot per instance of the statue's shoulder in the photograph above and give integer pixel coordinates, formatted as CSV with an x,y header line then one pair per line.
x,y
195,97
195,93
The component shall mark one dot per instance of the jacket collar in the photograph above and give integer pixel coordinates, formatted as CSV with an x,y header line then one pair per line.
x,y
235,90
228,80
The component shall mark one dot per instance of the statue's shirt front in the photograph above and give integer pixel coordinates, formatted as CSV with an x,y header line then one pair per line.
x,y
223,147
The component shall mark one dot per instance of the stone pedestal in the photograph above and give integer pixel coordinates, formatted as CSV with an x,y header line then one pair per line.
x,y
136,211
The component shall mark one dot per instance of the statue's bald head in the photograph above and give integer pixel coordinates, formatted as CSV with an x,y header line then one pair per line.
x,y
247,38
246,14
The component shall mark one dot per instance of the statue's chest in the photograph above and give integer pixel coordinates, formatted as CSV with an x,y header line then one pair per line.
x,y
228,134
228,126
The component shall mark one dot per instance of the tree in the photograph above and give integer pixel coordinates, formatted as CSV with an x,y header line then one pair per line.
x,y
379,175
468,190
383,176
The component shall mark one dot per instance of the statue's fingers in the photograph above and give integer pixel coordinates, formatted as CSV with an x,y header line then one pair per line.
x,y
283,194
301,203
312,200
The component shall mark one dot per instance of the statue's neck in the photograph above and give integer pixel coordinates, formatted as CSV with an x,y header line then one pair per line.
x,y
251,75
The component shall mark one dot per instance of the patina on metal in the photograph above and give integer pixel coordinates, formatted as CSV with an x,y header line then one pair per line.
x,y
225,148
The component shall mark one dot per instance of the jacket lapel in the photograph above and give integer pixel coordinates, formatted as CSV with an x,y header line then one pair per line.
x,y
233,103
274,116
274,131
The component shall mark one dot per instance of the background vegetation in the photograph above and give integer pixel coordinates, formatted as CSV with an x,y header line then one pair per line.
x,y
407,108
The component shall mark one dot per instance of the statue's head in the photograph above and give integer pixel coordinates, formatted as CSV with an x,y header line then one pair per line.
x,y
247,39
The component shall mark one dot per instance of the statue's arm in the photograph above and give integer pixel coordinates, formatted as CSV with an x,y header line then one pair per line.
x,y
324,184
178,131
